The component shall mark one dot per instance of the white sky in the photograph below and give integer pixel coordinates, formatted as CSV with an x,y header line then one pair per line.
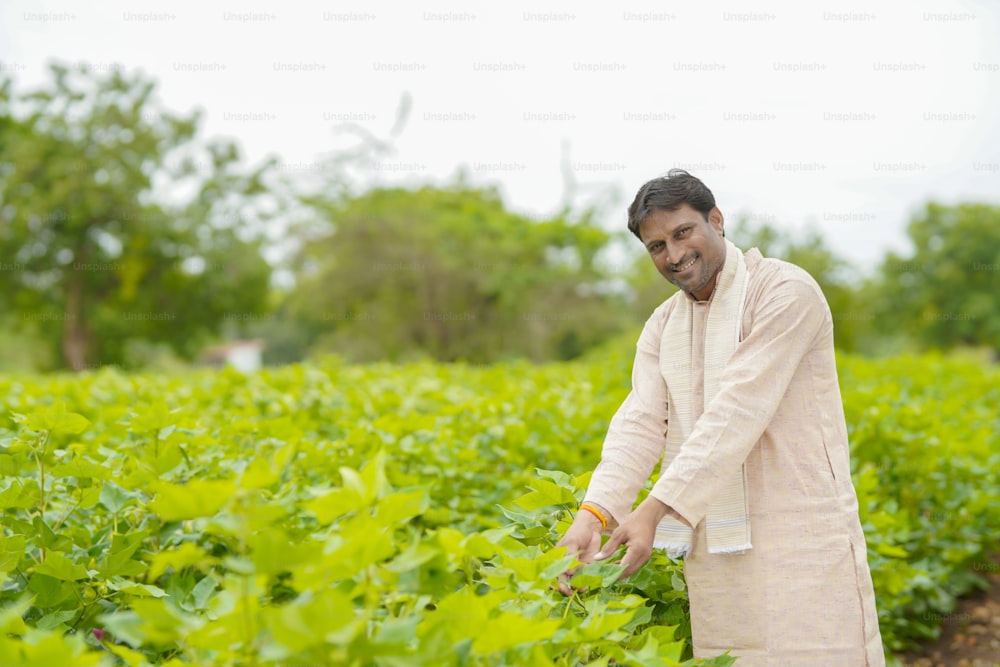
x,y
845,115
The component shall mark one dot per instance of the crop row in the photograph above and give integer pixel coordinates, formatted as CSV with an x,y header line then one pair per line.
x,y
405,515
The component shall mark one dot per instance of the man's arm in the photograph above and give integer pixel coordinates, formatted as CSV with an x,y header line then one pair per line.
x,y
637,432
785,328
633,445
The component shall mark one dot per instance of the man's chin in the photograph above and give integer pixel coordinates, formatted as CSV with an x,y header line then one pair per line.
x,y
688,287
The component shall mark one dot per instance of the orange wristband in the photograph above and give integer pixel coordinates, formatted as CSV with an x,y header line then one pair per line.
x,y
600,517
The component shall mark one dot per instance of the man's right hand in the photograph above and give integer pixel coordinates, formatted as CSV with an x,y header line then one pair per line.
x,y
583,540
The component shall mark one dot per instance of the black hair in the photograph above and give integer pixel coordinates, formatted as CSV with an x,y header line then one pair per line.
x,y
669,193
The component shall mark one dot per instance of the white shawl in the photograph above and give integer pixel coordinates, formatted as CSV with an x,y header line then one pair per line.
x,y
728,526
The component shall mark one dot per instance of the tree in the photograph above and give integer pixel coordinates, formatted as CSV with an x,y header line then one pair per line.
x,y
450,273
945,292
119,222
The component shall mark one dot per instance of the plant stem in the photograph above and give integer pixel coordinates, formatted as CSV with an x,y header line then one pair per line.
x,y
66,515
248,622
40,458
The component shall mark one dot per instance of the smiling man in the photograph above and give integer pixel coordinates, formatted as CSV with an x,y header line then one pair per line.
x,y
734,389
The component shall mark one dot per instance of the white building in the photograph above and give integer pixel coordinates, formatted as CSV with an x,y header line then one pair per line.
x,y
243,355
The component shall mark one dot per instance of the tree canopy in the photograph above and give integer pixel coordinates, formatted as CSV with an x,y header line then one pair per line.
x,y
452,274
946,292
118,222
123,228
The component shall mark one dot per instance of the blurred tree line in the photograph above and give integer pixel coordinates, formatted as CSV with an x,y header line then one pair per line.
x,y
126,237
119,225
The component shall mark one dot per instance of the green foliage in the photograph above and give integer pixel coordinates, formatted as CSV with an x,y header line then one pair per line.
x,y
315,515
450,274
406,515
118,222
926,456
945,292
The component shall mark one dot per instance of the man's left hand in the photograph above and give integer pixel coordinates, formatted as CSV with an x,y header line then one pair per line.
x,y
636,532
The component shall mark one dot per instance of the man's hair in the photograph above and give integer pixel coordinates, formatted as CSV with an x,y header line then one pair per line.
x,y
669,193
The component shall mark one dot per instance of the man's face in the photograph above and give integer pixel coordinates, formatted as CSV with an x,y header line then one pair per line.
x,y
687,250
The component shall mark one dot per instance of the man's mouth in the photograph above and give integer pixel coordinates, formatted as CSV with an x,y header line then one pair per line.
x,y
686,265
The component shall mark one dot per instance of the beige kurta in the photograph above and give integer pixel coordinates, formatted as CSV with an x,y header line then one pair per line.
x,y
803,594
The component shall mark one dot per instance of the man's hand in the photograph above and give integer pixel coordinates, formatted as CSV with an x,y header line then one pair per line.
x,y
582,540
636,532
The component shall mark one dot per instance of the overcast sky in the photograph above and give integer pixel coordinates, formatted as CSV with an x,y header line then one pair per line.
x,y
845,115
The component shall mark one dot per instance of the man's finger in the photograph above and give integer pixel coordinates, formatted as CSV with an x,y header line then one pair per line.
x,y
632,560
609,547
564,587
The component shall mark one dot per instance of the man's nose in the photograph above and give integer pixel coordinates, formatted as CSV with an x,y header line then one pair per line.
x,y
673,254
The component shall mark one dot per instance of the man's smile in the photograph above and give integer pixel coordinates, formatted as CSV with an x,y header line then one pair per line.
x,y
684,267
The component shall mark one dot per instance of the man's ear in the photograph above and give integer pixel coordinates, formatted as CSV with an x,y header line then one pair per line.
x,y
716,219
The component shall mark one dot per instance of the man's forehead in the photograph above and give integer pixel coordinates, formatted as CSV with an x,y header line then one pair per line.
x,y
671,218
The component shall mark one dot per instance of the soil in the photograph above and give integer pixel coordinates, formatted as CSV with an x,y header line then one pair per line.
x,y
970,637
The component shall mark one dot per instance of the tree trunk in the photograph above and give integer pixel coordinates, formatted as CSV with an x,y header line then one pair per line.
x,y
75,332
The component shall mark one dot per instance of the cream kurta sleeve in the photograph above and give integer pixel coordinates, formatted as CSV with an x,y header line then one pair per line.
x,y
637,432
784,328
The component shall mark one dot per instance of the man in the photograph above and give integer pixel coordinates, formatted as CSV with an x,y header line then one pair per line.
x,y
735,387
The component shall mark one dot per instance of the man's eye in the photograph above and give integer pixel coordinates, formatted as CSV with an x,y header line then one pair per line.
x,y
682,232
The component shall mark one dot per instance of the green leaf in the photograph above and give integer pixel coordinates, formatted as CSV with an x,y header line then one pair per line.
x,y
272,551
59,566
126,626
461,614
397,630
56,620
87,497
20,494
558,477
55,419
510,629
115,498
258,475
129,657
11,617
49,591
197,498
47,539
118,560
53,648
402,506
154,417
545,494
599,623
11,551
412,558
11,466
891,550
203,591
187,554
335,504
327,616
133,588
81,468
162,622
